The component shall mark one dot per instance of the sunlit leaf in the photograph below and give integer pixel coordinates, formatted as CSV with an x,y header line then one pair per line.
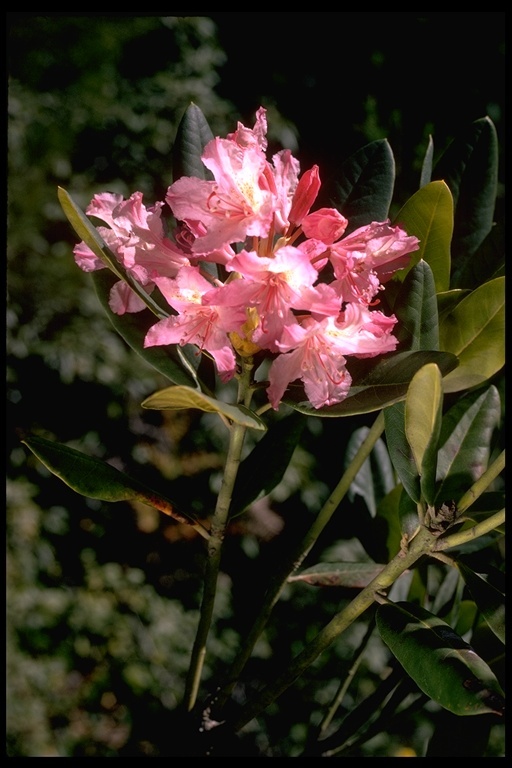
x,y
475,331
96,479
428,214
490,601
354,575
179,397
440,662
423,412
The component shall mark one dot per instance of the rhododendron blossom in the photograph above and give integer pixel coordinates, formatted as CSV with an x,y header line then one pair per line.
x,y
295,291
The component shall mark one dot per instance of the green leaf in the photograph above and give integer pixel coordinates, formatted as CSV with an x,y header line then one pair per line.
x,y
175,363
490,601
440,662
192,136
179,397
96,479
363,187
264,467
487,263
400,450
375,477
469,167
426,168
423,412
387,511
353,575
465,442
415,307
428,214
475,331
375,384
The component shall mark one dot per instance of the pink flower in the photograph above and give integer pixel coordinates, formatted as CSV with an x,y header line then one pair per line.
x,y
275,286
237,204
315,360
325,224
136,237
383,248
206,326
305,195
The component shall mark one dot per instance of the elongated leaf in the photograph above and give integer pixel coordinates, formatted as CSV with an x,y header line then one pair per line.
x,y
179,397
465,442
96,479
486,264
264,467
192,136
388,512
415,308
363,187
475,331
375,384
440,662
470,169
400,450
426,168
177,364
423,412
490,601
375,478
428,214
92,238
354,575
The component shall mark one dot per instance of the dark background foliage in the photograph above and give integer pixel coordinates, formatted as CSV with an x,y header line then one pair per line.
x,y
102,599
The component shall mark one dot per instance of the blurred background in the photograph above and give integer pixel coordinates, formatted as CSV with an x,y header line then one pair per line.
x,y
102,599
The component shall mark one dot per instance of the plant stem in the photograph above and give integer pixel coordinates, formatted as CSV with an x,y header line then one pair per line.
x,y
291,564
480,485
216,538
420,545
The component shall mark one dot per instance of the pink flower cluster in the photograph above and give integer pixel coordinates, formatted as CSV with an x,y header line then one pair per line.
x,y
295,291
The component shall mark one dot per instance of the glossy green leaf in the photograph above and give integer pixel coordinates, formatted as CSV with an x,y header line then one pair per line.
x,y
375,384
490,601
465,442
400,450
179,397
264,467
423,413
175,363
428,214
388,512
192,136
469,167
363,186
426,168
486,264
475,331
96,479
415,307
92,238
353,575
439,661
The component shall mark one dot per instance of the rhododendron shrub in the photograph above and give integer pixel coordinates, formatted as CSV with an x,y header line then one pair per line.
x,y
241,276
